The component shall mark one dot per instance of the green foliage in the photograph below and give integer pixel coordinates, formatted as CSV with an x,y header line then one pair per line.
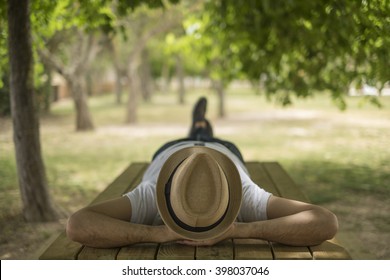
x,y
49,17
126,6
306,46
204,39
296,48
183,46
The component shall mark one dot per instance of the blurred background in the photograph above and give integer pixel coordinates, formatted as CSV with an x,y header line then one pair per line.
x,y
304,83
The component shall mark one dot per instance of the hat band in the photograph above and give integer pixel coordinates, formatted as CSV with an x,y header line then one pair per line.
x,y
180,222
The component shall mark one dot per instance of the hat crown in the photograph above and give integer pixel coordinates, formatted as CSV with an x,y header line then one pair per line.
x,y
199,191
198,195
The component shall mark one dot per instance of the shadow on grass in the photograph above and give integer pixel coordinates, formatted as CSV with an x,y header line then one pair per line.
x,y
325,181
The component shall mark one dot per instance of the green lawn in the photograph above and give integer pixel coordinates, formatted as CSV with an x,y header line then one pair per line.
x,y
335,156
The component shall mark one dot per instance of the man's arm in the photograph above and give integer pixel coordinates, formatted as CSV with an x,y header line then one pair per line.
x,y
293,223
107,225
289,222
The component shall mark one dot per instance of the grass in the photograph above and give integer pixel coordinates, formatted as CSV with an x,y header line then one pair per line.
x,y
335,156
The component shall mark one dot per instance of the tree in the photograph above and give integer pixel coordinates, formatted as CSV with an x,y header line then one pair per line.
x,y
74,66
142,26
119,67
32,178
67,37
220,65
303,47
37,205
145,76
177,48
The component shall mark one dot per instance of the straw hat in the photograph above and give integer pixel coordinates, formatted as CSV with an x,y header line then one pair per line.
x,y
198,193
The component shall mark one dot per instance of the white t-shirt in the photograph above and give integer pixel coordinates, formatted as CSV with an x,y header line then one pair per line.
x,y
143,197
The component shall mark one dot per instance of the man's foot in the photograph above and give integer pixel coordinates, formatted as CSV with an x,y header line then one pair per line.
x,y
199,112
201,128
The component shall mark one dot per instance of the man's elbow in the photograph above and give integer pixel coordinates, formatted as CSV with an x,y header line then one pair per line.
x,y
75,230
329,225
333,225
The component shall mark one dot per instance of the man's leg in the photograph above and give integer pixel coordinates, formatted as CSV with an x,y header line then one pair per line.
x,y
200,128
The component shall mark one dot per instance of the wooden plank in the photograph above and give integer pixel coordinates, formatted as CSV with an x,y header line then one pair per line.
x,y
270,176
252,249
273,178
141,166
283,182
141,251
221,251
329,250
284,252
259,175
288,189
61,249
127,180
90,253
175,251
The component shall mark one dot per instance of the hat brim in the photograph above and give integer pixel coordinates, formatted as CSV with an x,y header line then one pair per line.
x,y
234,185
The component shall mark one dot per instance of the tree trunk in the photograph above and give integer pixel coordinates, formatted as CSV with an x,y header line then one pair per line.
x,y
145,76
118,85
220,89
132,102
120,73
47,90
37,206
165,78
90,91
83,117
180,78
74,71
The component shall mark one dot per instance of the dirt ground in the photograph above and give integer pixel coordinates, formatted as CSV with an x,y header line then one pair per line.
x,y
26,240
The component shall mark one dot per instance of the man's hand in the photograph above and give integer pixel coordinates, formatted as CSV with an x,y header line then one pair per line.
x,y
209,242
168,235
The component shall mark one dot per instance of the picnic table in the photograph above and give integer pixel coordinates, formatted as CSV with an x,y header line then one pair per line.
x,y
269,175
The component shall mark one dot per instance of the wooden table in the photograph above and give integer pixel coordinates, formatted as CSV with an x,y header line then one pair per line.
x,y
270,175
